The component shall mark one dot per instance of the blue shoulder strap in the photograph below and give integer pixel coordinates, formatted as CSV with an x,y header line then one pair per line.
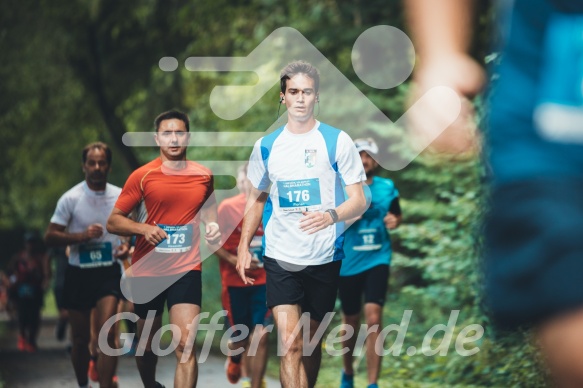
x,y
266,146
329,133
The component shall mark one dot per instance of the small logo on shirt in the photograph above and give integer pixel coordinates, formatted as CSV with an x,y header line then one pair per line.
x,y
310,158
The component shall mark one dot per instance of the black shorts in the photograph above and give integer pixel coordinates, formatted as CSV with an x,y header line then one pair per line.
x,y
85,286
59,293
372,283
187,289
534,251
313,287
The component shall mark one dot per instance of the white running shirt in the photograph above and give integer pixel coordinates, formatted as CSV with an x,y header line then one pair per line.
x,y
80,207
299,168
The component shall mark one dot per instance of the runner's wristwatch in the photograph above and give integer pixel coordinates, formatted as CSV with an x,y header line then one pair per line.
x,y
333,214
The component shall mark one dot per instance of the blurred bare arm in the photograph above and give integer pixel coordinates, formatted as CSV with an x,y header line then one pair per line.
x,y
209,216
442,33
56,235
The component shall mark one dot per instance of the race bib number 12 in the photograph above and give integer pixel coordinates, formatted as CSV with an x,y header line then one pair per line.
x,y
368,239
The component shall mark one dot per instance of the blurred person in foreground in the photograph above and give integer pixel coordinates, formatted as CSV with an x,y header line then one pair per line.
x,y
533,250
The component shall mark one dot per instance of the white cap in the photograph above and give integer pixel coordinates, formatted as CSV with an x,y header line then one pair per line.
x,y
367,144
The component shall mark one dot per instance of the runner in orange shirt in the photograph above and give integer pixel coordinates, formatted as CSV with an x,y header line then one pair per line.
x,y
172,196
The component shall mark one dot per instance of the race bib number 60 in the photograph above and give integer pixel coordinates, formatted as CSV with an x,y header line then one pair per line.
x,y
92,255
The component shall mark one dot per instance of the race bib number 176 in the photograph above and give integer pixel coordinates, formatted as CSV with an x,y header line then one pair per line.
x,y
299,195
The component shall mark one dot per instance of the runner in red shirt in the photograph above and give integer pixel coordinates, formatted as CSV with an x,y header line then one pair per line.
x,y
245,304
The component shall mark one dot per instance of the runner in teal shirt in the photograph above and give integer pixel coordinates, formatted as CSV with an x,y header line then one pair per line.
x,y
365,268
367,242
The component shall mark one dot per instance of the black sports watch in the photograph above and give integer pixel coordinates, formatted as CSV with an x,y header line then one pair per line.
x,y
333,214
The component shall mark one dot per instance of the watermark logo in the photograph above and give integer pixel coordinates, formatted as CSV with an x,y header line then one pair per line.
x,y
383,57
437,340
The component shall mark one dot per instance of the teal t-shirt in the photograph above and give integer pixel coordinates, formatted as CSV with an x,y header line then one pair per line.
x,y
367,242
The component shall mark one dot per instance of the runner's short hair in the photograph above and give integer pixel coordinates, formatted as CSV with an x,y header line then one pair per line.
x,y
299,67
100,146
172,114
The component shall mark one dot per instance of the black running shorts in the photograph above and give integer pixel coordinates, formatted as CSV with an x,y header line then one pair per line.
x,y
313,287
187,289
372,283
85,286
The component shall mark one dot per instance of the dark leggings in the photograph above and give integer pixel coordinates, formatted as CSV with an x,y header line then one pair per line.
x,y
29,319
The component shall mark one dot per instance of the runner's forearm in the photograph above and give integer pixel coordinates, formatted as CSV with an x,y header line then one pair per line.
x,y
440,27
253,216
225,255
119,224
57,236
354,206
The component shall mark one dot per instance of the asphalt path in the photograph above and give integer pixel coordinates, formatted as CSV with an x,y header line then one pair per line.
x,y
51,365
